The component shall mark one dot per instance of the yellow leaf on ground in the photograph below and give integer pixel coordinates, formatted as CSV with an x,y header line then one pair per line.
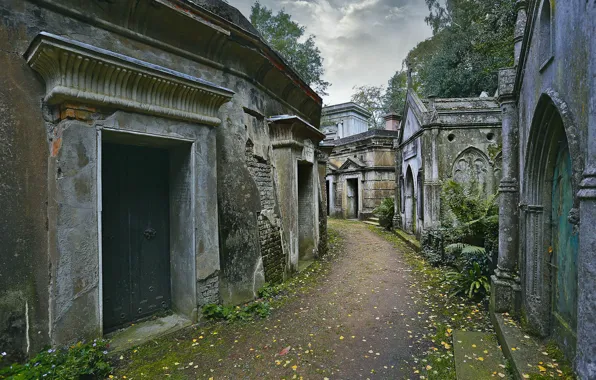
x,y
541,368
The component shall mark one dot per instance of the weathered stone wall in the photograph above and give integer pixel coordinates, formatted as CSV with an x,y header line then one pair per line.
x,y
269,223
24,150
553,78
374,165
160,35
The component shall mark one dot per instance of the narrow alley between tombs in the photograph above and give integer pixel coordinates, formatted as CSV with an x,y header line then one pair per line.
x,y
355,315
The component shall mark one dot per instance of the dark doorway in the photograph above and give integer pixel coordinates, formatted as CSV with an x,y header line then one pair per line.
x,y
135,233
306,241
328,189
352,196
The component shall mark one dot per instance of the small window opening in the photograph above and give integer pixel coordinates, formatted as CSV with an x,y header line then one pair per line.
x,y
546,33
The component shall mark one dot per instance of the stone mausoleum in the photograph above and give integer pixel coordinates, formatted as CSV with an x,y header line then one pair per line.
x,y
547,242
155,155
361,171
443,139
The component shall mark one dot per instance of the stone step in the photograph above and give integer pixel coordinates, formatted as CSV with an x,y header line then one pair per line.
x,y
373,219
371,223
524,352
410,240
477,356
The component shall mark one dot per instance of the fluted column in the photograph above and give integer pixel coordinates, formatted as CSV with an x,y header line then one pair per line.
x,y
505,281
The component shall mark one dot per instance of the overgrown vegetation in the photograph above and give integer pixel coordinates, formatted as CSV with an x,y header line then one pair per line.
x,y
472,40
469,224
385,212
79,361
230,313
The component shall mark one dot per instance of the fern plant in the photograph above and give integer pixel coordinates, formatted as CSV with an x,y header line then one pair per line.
x,y
385,212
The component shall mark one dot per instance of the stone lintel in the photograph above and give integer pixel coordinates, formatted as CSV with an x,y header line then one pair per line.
x,y
80,73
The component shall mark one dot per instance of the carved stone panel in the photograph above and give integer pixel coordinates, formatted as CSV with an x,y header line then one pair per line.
x,y
472,166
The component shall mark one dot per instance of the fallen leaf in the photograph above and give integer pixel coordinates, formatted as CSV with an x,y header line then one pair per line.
x,y
285,351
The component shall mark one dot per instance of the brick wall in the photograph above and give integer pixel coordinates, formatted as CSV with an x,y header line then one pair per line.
x,y
268,221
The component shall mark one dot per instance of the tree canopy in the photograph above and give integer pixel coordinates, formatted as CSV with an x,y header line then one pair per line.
x,y
287,38
471,40
380,100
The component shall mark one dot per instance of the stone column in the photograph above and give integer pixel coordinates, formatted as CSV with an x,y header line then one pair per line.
x,y
397,222
520,26
586,264
505,282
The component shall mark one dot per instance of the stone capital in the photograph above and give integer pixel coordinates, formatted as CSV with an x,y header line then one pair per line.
x,y
520,4
587,188
508,185
507,78
80,73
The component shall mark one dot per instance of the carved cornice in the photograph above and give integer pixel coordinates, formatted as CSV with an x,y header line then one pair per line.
x,y
288,130
77,72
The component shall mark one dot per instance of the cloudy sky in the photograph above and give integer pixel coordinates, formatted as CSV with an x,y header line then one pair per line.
x,y
361,41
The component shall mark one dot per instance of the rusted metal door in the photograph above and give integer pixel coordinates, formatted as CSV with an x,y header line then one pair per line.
x,y
564,245
135,233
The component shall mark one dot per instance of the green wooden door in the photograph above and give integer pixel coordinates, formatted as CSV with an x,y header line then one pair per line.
x,y
564,251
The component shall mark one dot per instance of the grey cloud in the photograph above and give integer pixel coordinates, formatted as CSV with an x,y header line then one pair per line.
x,y
362,41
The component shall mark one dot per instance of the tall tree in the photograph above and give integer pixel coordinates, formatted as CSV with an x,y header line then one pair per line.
x,y
471,40
284,35
395,95
372,99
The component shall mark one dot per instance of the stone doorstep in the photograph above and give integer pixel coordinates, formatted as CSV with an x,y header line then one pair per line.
x,y
304,264
522,351
371,223
410,240
477,356
145,331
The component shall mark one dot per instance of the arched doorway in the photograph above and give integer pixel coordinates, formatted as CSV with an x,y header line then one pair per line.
x,y
410,202
551,224
564,247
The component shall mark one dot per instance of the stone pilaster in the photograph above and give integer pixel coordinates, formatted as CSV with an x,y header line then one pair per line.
x,y
397,222
586,324
505,281
520,26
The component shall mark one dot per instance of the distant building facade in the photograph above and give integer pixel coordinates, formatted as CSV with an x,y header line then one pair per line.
x,y
547,241
361,171
443,139
344,120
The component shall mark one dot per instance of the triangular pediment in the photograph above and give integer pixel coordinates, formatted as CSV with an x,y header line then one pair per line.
x,y
352,164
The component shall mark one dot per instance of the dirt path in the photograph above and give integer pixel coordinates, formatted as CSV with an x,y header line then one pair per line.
x,y
357,321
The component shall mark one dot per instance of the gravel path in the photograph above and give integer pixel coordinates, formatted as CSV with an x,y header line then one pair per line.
x,y
358,320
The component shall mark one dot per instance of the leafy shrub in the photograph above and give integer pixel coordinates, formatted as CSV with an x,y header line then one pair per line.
x,y
231,313
385,212
470,214
269,291
472,282
80,361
